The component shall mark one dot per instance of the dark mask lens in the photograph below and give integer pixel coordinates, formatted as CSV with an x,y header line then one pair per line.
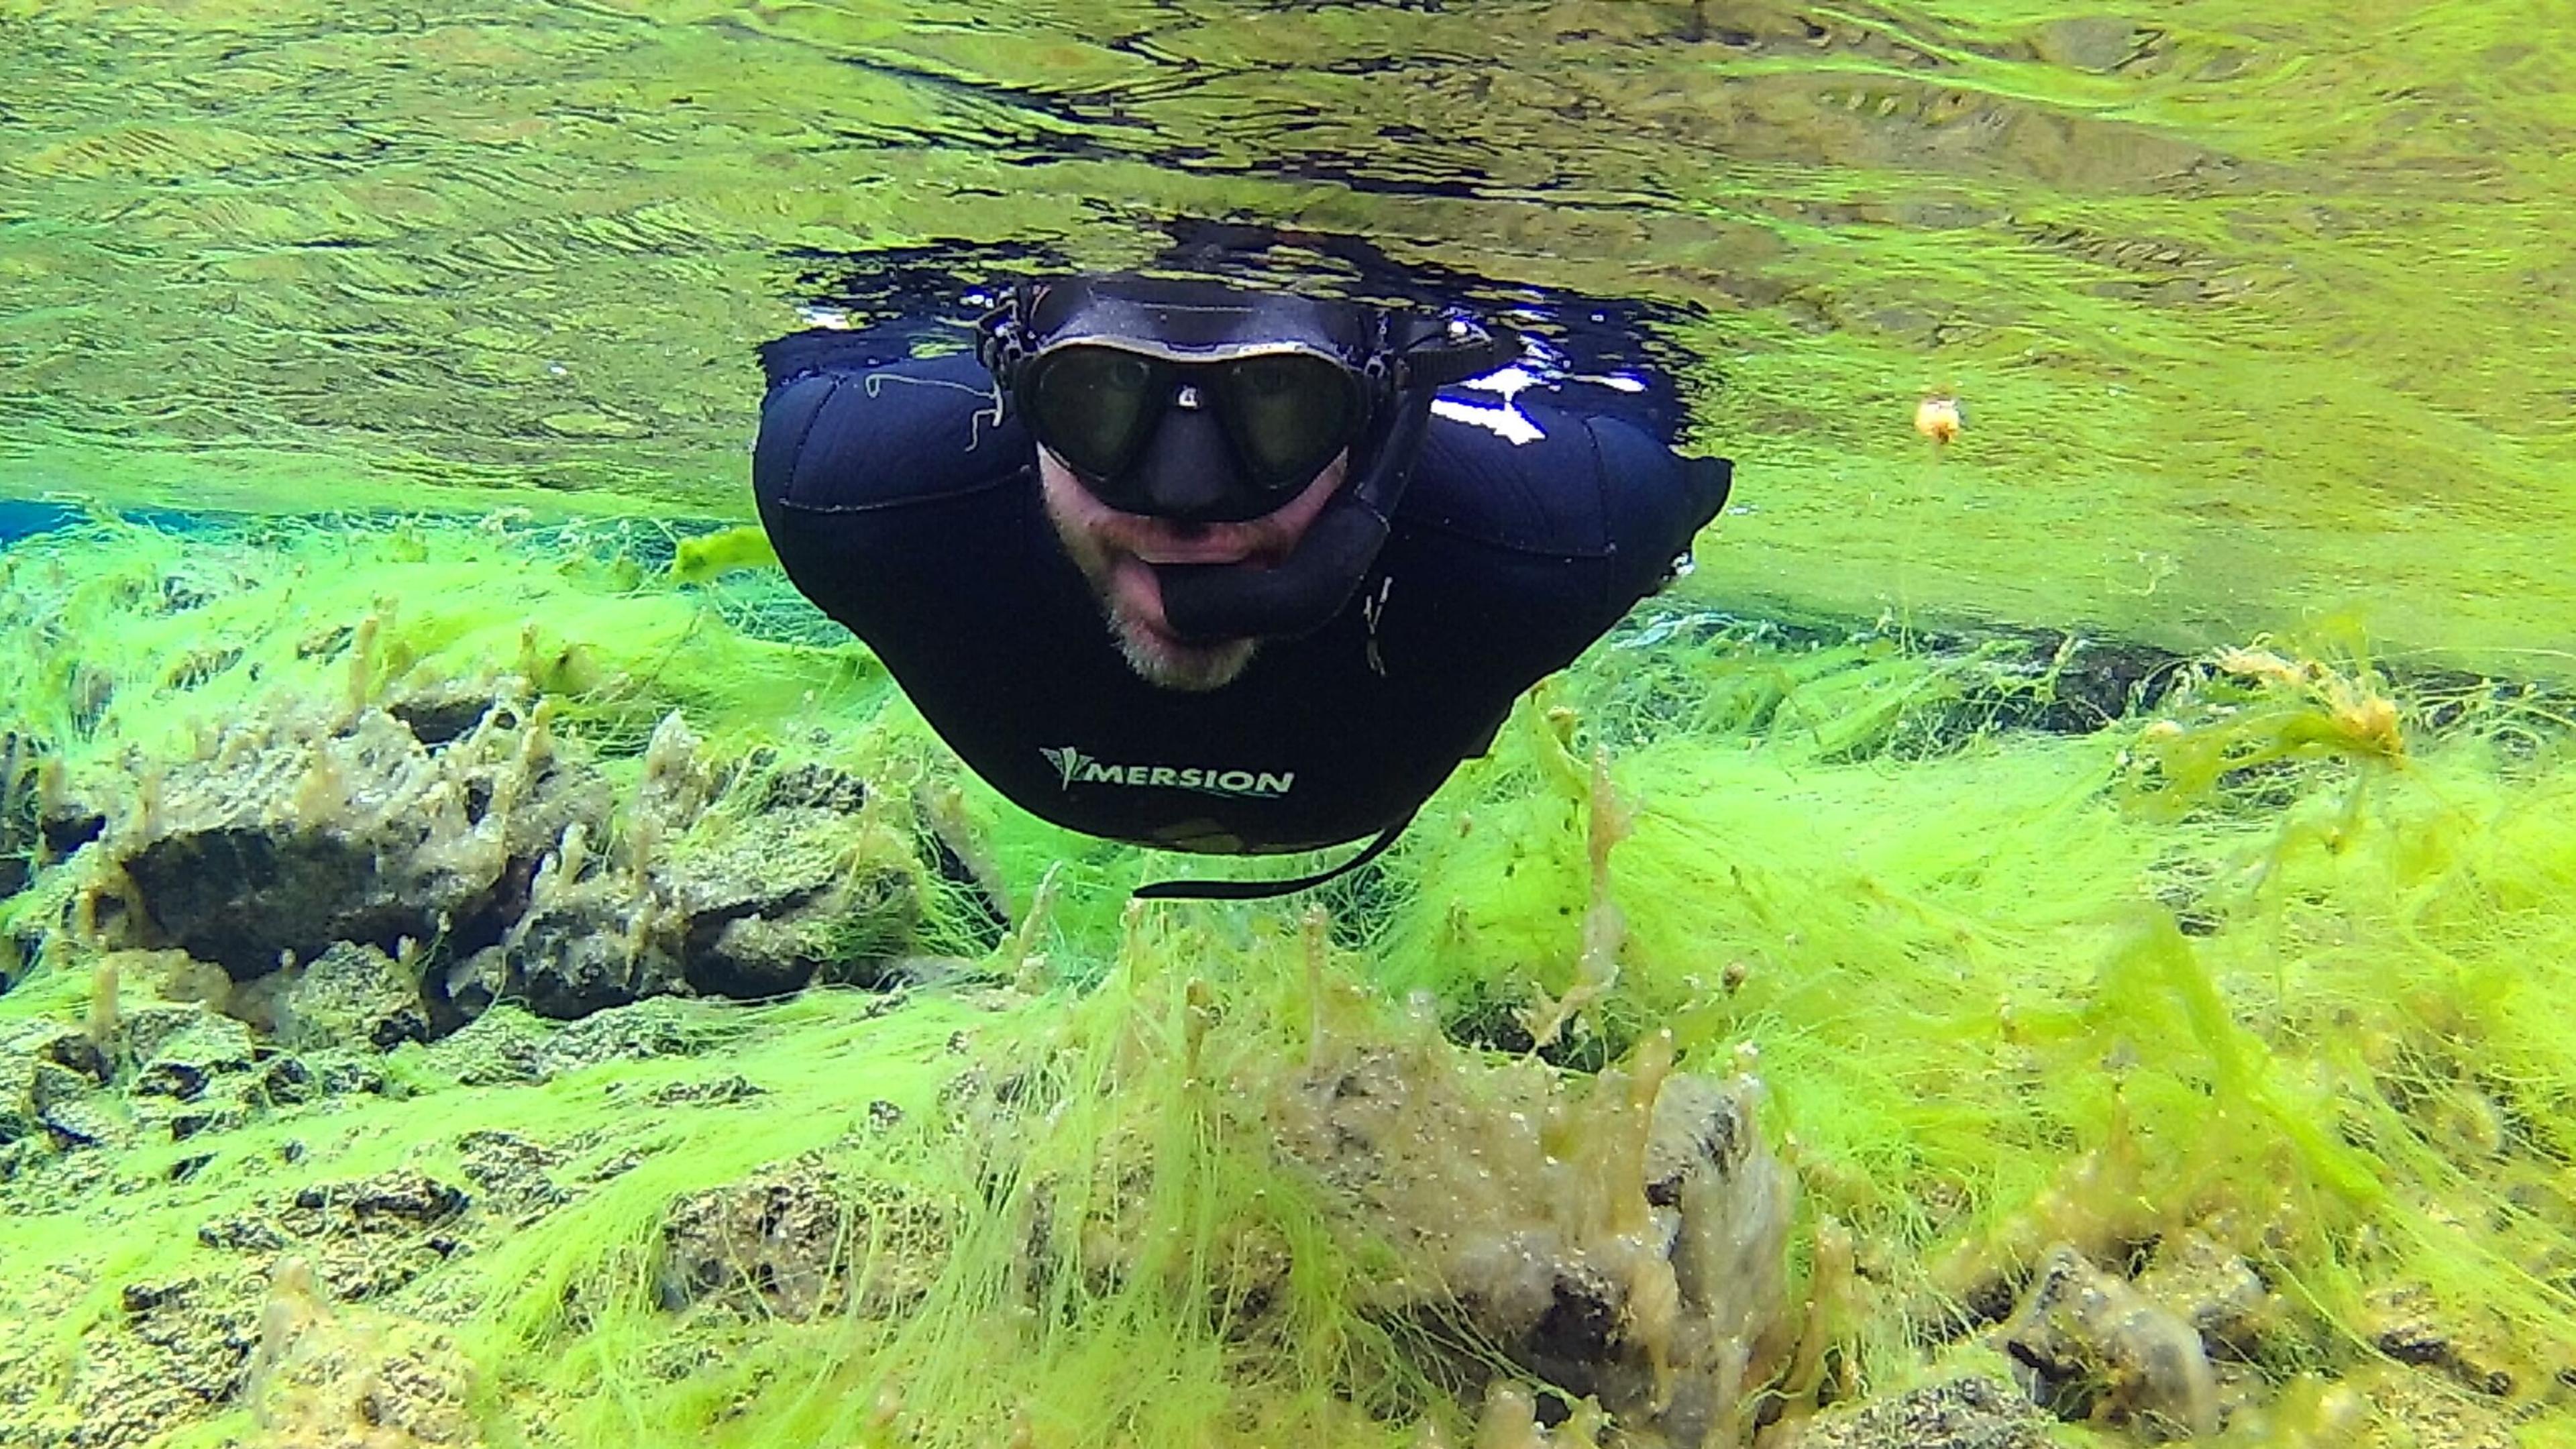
x,y
1092,405
1289,413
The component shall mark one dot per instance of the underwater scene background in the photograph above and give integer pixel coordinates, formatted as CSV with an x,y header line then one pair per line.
x,y
2054,934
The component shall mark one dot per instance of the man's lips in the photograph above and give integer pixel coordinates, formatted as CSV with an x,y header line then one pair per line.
x,y
1209,549
1139,592
1139,595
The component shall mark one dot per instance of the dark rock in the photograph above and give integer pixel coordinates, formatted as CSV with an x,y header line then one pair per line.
x,y
455,825
354,996
74,1051
592,946
440,718
70,827
1962,1413
2089,1345
402,1199
478,980
288,845
789,898
728,1088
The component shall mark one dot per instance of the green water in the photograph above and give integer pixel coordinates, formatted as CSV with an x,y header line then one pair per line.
x,y
2262,315
2263,318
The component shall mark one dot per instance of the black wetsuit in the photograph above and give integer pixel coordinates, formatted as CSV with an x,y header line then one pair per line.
x,y
903,509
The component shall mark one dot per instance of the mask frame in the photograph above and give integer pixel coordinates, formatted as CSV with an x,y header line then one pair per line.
x,y
1402,357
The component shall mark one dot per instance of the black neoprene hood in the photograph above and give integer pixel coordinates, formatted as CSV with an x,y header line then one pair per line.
x,y
1192,319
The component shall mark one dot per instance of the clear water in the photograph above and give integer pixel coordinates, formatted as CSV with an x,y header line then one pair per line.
x,y
2261,314
2263,320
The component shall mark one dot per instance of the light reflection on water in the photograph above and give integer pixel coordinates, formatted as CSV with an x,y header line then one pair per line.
x,y
2258,313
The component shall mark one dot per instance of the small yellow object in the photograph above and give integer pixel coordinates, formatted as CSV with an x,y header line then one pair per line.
x,y
1937,418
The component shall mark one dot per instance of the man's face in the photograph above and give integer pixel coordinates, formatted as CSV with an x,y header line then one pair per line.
x,y
1113,550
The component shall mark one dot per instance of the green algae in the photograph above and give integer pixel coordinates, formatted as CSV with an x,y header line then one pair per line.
x,y
2261,321
2190,973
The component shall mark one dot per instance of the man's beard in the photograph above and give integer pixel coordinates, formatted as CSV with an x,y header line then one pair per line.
x,y
1157,657
1110,550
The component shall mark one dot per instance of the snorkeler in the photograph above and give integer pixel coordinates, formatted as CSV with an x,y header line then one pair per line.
x,y
1323,583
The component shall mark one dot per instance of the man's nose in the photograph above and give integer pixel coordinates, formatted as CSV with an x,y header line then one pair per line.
x,y
1186,470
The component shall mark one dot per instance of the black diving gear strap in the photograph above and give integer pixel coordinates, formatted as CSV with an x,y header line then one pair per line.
x,y
1262,890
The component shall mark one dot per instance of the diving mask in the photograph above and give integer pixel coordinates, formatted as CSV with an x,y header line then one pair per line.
x,y
1196,401
1189,400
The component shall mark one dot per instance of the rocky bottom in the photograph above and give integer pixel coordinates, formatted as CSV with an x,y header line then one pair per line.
x,y
310,1247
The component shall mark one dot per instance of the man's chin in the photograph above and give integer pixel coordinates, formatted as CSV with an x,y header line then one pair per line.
x,y
1162,659
1133,598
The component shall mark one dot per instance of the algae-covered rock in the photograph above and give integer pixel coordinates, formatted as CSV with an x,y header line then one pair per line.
x,y
590,947
2215,1290
71,1108
771,1245
330,1375
365,1238
788,1243
508,1045
513,1175
1624,1239
382,875
800,896
2089,1345
805,889
174,1350
287,839
2407,1323
1971,1412
354,995
192,1049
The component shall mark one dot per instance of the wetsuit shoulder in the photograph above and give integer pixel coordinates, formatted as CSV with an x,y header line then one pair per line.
x,y
895,500
1588,505
847,433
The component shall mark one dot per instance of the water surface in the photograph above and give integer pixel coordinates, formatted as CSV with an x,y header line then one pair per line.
x,y
2261,314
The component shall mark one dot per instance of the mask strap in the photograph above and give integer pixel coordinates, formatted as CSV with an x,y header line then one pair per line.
x,y
1261,890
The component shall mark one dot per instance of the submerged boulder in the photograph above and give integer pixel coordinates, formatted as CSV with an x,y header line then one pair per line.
x,y
383,875
2089,1345
1623,1239
1968,1412
281,840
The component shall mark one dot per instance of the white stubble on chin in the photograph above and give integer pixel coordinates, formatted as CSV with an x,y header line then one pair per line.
x,y
1131,600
